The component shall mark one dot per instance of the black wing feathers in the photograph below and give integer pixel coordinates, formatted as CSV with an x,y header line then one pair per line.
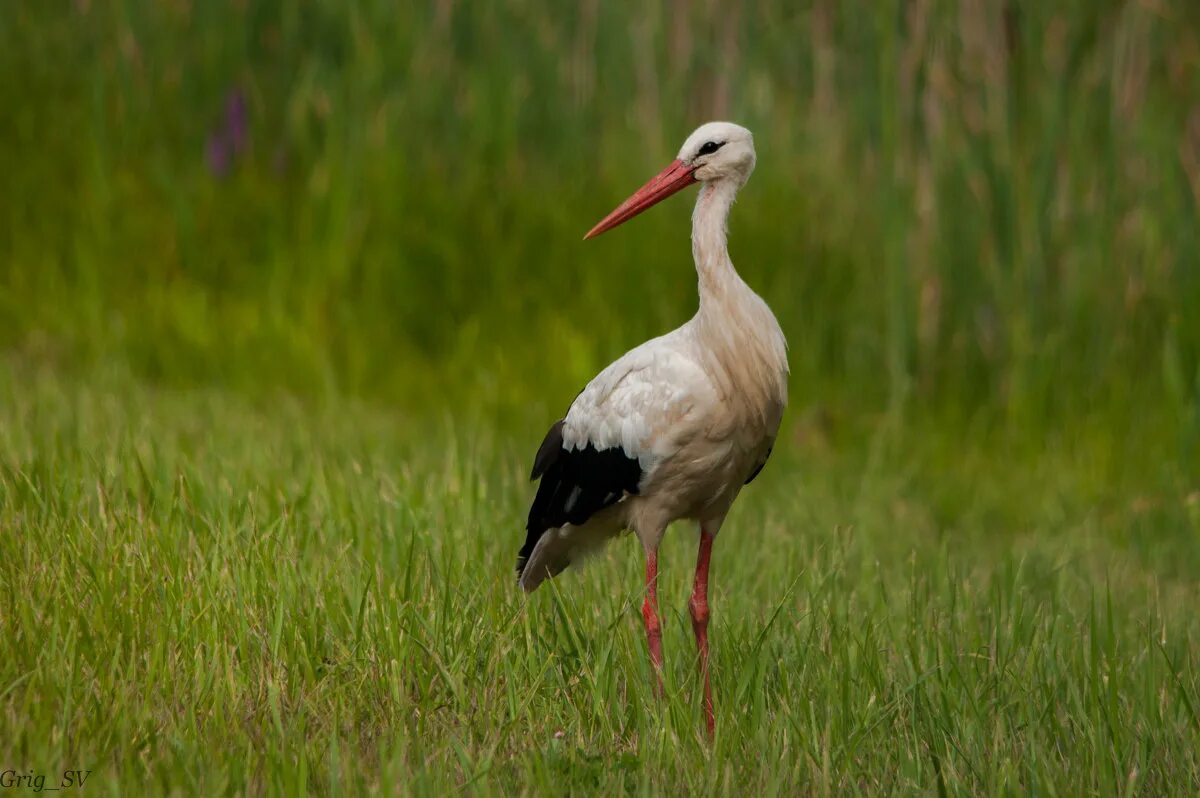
x,y
759,469
547,453
575,485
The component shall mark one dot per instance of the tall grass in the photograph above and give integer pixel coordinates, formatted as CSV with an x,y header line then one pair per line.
x,y
974,206
209,596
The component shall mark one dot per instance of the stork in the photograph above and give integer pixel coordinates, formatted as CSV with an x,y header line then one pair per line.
x,y
677,426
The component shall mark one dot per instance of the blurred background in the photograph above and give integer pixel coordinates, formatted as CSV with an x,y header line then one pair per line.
x,y
976,216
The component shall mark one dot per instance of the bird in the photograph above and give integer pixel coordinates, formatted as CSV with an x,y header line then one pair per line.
x,y
675,428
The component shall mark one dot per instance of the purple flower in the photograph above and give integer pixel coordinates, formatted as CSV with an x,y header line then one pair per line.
x,y
237,126
231,136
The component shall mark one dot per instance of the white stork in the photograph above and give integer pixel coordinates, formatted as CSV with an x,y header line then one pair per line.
x,y
675,427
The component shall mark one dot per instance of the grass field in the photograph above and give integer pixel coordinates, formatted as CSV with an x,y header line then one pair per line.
x,y
208,595
290,291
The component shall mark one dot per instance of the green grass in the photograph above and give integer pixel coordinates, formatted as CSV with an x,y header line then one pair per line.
x,y
202,594
958,204
264,434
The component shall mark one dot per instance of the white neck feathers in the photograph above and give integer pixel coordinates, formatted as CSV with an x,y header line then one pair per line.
x,y
709,241
735,326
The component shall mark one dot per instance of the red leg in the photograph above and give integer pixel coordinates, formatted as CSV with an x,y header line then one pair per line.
x,y
650,616
699,608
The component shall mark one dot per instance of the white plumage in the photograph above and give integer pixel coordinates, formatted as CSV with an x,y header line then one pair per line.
x,y
640,400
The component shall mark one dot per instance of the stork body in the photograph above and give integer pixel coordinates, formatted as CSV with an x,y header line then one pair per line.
x,y
677,426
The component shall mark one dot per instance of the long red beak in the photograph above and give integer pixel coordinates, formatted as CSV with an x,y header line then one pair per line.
x,y
664,184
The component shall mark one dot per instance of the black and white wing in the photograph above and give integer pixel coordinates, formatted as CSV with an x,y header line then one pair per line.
x,y
617,430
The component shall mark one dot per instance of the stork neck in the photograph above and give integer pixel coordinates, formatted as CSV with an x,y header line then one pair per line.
x,y
709,245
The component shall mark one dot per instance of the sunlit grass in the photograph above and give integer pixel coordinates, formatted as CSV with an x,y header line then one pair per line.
x,y
210,595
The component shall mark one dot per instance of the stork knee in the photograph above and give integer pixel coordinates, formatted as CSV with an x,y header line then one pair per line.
x,y
650,616
699,608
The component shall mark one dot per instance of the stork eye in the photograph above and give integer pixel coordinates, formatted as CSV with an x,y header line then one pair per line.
x,y
709,147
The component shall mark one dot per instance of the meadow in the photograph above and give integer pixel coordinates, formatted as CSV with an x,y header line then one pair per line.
x,y
289,293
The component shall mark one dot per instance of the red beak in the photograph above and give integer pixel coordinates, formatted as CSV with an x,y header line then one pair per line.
x,y
670,180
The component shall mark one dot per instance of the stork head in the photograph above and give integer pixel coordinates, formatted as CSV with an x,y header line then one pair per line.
x,y
716,151
719,151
